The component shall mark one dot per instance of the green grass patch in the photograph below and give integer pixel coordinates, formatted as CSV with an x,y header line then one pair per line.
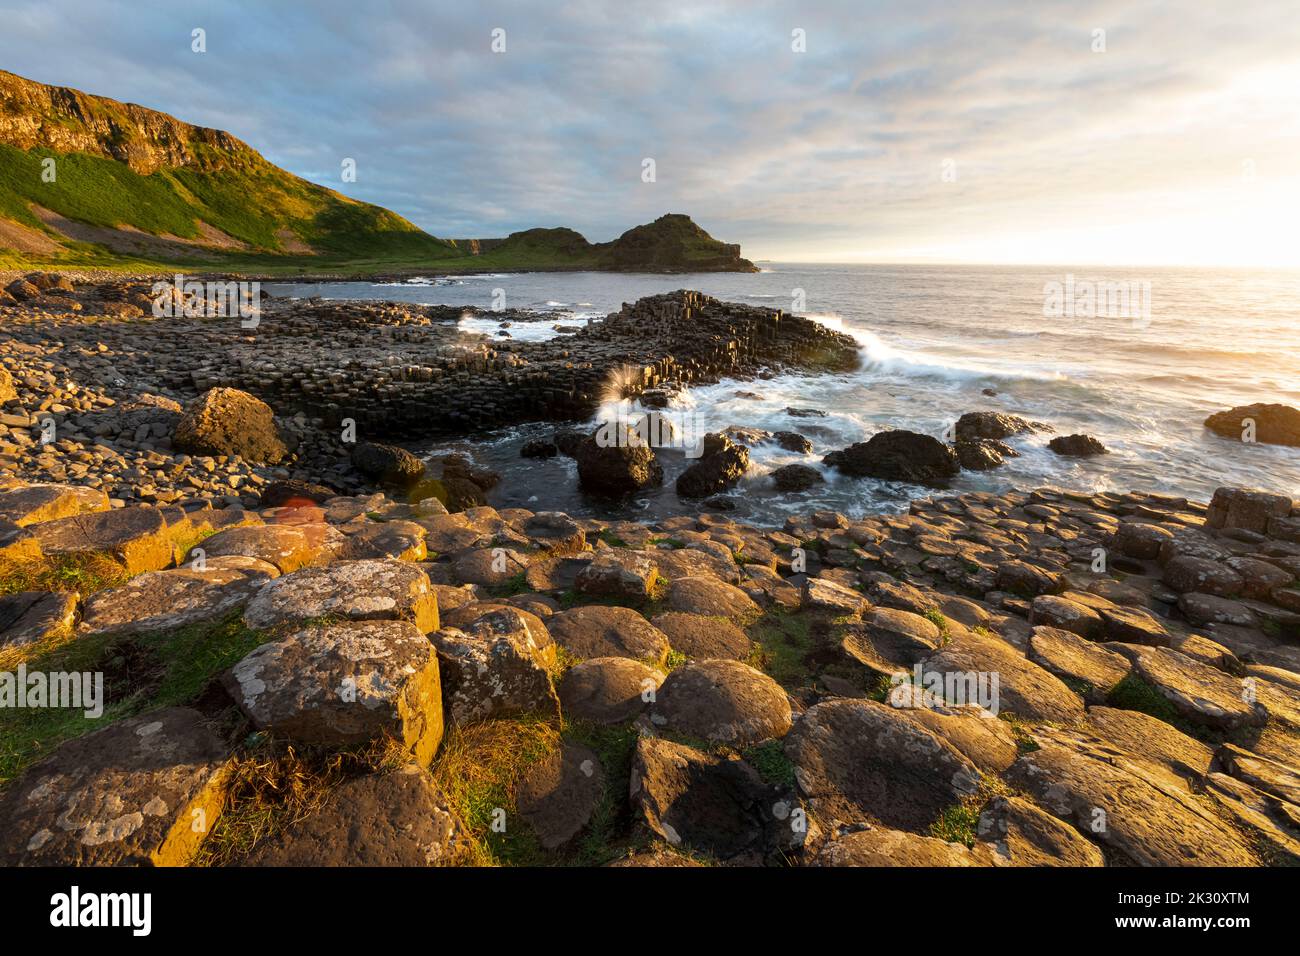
x,y
83,573
140,674
772,764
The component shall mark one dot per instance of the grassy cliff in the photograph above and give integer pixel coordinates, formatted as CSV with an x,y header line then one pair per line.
x,y
91,182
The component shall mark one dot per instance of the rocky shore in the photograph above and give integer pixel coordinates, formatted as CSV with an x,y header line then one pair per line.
x,y
299,668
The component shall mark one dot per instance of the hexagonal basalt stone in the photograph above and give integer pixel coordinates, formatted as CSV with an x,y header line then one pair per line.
x,y
30,616
345,684
499,665
354,590
390,819
32,504
609,690
287,546
143,791
160,601
136,537
600,631
723,702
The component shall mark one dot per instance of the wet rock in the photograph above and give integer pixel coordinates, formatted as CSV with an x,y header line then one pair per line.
x,y
352,590
597,631
793,441
898,456
796,477
1076,446
390,819
722,702
387,464
345,684
558,794
609,690
1273,424
130,794
721,466
617,470
859,761
226,421
993,425
982,454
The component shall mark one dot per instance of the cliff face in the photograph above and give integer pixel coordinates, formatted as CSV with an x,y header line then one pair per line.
x,y
65,120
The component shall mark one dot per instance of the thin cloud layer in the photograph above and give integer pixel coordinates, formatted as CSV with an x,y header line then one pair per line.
x,y
972,132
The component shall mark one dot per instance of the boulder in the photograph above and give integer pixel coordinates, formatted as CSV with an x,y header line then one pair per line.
x,y
722,702
344,684
1022,687
710,597
1246,509
226,421
287,546
889,640
982,454
292,492
796,477
720,467
617,470
1141,540
395,819
142,791
398,540
860,761
555,533
387,464
1187,573
1076,446
1078,662
993,425
1273,424
609,690
619,573
898,456
352,591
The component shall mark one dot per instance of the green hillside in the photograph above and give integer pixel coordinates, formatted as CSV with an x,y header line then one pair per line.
x,y
137,189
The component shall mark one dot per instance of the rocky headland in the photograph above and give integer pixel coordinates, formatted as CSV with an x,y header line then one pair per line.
x,y
325,654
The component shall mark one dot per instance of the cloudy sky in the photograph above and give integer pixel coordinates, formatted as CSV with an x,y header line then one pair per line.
x,y
905,131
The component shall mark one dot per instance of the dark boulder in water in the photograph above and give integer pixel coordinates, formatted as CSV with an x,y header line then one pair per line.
x,y
722,465
995,425
793,441
387,463
1077,446
898,456
796,477
805,413
539,448
1272,424
619,469
981,454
